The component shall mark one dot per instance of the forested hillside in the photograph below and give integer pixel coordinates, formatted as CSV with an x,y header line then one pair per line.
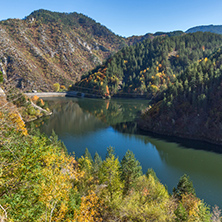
x,y
206,28
40,182
191,107
49,47
147,68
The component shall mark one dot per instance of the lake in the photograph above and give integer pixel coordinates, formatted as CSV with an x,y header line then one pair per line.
x,y
98,124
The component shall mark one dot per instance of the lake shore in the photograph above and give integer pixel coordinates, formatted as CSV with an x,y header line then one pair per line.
x,y
144,127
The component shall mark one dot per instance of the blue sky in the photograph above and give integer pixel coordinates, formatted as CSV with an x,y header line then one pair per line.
x,y
127,17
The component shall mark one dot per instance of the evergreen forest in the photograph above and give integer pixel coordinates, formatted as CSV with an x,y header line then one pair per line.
x,y
147,68
180,76
191,103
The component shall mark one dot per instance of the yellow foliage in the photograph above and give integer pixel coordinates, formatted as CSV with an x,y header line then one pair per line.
x,y
191,204
148,201
42,102
88,211
18,123
107,89
107,104
58,172
63,87
154,87
158,74
35,98
56,87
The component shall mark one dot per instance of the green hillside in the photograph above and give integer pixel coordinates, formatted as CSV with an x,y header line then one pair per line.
x,y
40,181
191,107
147,68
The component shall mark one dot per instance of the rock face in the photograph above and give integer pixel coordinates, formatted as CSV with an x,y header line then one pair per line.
x,y
48,47
2,93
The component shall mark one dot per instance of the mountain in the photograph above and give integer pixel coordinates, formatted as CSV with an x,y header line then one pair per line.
x,y
174,33
206,28
48,47
191,107
132,40
148,67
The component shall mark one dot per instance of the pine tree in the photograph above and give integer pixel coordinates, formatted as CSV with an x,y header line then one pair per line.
x,y
184,186
88,155
152,173
109,174
130,170
97,164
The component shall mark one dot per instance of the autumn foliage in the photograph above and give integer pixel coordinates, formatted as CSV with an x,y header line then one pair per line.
x,y
39,181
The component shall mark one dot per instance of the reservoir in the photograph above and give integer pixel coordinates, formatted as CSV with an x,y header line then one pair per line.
x,y
97,124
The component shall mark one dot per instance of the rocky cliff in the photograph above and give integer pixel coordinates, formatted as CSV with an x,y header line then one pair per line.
x,y
48,47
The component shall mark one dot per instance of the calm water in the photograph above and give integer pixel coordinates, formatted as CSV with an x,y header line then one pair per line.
x,y
98,124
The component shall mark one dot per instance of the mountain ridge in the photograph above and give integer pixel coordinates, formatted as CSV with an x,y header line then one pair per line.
x,y
206,28
41,49
48,47
147,68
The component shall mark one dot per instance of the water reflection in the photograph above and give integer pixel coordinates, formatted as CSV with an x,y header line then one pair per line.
x,y
97,124
68,118
113,111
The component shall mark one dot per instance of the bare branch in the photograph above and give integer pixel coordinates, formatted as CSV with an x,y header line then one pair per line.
x,y
4,212
50,219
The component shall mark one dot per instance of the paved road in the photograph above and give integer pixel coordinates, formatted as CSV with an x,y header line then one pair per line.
x,y
47,94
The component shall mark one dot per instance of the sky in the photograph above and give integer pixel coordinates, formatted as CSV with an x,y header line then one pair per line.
x,y
127,17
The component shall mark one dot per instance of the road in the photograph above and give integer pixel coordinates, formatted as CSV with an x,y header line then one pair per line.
x,y
47,94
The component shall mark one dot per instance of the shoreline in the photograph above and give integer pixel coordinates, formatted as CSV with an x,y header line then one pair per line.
x,y
81,95
140,126
179,136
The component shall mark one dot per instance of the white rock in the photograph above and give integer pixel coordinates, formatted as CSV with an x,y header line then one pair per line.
x,y
2,93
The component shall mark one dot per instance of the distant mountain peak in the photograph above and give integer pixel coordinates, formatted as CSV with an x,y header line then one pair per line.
x,y
206,28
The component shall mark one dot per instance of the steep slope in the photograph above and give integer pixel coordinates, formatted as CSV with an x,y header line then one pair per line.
x,y
147,68
206,28
48,47
191,107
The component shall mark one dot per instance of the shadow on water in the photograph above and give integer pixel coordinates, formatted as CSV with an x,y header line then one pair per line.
x,y
132,128
90,115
